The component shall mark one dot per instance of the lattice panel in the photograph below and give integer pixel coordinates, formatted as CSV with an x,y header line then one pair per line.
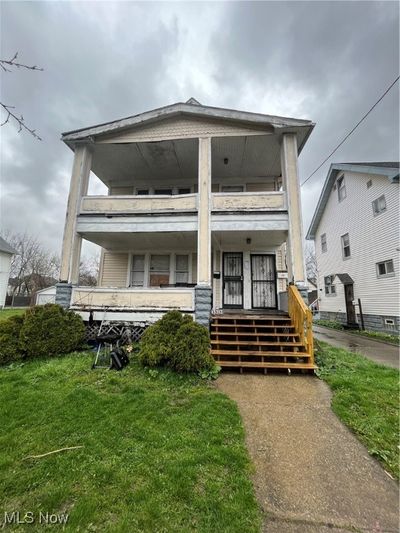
x,y
129,333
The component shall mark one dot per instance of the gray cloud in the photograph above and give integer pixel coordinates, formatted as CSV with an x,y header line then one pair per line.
x,y
327,61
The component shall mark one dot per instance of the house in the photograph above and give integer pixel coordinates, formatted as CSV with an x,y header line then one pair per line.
x,y
6,253
355,228
203,213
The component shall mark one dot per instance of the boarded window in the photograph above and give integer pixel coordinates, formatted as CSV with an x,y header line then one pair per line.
x,y
345,246
159,270
329,286
324,244
341,188
137,271
181,269
379,205
385,268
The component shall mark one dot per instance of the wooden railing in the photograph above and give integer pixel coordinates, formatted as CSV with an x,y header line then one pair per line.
x,y
302,319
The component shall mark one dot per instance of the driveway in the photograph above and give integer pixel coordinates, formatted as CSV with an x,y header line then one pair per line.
x,y
380,352
311,473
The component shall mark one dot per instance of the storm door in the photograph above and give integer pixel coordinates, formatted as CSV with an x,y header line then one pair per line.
x,y
263,282
233,279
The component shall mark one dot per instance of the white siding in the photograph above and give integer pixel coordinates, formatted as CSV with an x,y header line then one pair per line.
x,y
372,239
114,271
5,262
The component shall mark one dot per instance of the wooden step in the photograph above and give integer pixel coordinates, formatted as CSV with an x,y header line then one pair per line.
x,y
253,326
257,343
252,353
251,334
257,364
265,318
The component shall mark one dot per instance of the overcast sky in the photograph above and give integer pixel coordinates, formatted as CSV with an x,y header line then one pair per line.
x,y
324,61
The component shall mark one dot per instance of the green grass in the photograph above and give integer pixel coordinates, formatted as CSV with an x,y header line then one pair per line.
x,y
6,313
377,335
162,452
366,399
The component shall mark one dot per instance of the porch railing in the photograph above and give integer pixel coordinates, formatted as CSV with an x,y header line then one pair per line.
x,y
301,316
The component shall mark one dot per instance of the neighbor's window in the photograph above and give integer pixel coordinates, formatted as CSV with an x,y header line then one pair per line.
x,y
379,205
159,270
181,269
329,286
369,184
324,244
385,269
137,271
341,189
345,246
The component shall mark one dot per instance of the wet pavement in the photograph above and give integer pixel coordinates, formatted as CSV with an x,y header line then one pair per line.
x,y
311,473
380,352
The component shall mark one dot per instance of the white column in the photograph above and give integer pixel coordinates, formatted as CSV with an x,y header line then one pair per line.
x,y
72,242
204,208
290,176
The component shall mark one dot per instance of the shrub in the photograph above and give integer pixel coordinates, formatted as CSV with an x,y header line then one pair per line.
x,y
157,341
10,346
51,330
191,351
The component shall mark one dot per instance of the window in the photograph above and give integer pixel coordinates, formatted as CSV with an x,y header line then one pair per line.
x,y
163,191
137,271
329,286
324,244
379,205
184,190
181,269
369,184
345,246
341,189
142,192
232,188
159,270
385,269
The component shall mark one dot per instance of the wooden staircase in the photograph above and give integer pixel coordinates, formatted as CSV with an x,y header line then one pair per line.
x,y
258,341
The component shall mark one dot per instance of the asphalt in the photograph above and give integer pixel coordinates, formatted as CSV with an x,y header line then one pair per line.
x,y
311,473
380,352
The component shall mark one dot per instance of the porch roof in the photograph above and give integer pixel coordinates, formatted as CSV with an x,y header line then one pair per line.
x,y
194,109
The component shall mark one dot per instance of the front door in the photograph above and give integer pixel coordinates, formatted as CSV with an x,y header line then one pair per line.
x,y
350,309
232,279
263,282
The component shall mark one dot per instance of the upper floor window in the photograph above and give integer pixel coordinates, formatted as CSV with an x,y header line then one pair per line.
x,y
345,246
379,205
181,269
159,270
163,191
385,269
330,288
232,188
142,192
324,244
341,188
184,190
137,271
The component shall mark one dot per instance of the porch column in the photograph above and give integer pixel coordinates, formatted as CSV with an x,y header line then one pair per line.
x,y
203,288
72,242
290,176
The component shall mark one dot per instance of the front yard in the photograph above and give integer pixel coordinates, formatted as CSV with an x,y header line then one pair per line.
x,y
366,399
161,451
11,311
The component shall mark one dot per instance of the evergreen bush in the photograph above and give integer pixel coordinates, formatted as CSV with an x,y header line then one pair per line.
x,y
10,345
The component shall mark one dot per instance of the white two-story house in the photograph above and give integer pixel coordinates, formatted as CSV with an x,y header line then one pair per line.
x,y
355,229
203,213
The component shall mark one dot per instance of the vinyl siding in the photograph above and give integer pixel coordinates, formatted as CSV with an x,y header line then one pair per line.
x,y
5,262
114,269
372,239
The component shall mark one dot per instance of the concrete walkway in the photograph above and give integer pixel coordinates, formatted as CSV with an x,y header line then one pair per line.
x,y
380,352
311,474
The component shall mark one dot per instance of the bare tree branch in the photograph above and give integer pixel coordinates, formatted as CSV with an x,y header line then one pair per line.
x,y
13,63
5,64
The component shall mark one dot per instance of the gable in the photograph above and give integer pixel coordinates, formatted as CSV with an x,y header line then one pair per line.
x,y
182,127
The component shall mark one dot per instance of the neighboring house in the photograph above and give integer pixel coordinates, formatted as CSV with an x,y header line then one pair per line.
x,y
6,253
202,203
312,292
356,233
46,296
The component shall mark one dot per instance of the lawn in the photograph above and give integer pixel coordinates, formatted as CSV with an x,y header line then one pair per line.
x,y
11,311
161,452
366,399
376,335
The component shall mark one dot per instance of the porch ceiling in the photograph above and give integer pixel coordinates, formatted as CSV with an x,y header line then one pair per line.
x,y
144,241
237,240
248,156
